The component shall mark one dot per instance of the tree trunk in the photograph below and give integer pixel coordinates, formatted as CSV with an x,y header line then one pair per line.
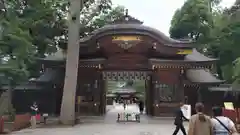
x,y
67,115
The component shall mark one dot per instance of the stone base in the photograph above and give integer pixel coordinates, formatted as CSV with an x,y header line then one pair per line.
x,y
68,122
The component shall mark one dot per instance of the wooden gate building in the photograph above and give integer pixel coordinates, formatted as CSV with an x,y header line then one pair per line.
x,y
128,50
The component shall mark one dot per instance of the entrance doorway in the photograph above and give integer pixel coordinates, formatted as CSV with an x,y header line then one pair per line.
x,y
127,87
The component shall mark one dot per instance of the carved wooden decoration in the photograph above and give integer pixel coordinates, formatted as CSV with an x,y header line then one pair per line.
x,y
125,75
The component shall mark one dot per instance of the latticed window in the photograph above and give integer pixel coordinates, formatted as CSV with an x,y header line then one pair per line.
x,y
167,93
87,92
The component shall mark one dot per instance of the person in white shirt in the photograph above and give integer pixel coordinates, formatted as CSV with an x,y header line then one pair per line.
x,y
222,125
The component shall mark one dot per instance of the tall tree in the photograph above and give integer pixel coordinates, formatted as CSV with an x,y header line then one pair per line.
x,y
192,20
44,23
214,30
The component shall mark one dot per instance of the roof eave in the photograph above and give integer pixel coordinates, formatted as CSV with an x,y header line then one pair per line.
x,y
209,83
168,41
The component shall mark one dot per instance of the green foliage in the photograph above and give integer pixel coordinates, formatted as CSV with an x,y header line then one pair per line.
x,y
192,20
15,48
214,30
31,29
236,73
227,72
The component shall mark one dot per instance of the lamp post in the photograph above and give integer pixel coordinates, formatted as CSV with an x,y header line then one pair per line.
x,y
67,114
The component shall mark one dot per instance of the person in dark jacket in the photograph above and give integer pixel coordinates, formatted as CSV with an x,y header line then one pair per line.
x,y
179,120
141,106
124,104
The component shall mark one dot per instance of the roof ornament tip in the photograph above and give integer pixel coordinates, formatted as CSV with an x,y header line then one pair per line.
x,y
126,12
126,15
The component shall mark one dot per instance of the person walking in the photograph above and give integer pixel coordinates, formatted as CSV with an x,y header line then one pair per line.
x,y
200,124
222,125
179,120
124,104
141,106
34,110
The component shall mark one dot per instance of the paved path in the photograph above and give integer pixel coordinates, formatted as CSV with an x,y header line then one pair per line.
x,y
104,129
110,127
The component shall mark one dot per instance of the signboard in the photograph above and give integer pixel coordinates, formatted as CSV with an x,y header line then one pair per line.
x,y
126,38
186,109
184,51
79,99
228,105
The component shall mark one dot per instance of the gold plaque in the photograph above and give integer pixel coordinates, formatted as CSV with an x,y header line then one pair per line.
x,y
184,51
126,38
79,99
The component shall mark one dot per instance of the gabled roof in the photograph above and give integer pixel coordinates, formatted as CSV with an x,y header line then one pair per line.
x,y
197,56
48,76
201,76
193,60
23,87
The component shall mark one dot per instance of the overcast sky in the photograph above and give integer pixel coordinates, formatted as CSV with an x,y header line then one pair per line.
x,y
157,13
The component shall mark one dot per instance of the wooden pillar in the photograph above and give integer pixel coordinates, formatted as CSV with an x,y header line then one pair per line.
x,y
147,96
199,93
181,86
67,115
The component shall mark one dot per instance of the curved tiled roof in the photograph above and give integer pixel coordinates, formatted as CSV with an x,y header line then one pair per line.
x,y
137,29
140,28
129,25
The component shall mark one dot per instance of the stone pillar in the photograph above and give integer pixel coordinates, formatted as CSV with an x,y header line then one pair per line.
x,y
199,94
67,115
